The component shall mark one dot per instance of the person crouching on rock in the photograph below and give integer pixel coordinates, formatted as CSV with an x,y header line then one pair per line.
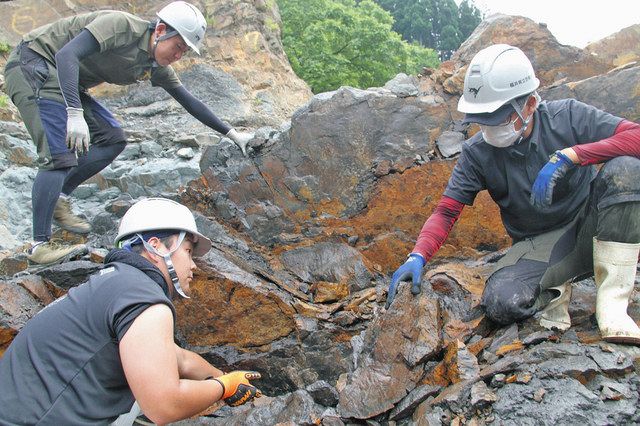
x,y
86,357
567,219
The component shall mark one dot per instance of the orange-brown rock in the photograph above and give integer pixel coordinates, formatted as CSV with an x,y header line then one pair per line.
x,y
460,363
551,60
515,346
20,299
324,292
619,48
230,310
414,195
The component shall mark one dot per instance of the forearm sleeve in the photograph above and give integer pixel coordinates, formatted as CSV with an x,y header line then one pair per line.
x,y
625,141
436,229
68,63
198,109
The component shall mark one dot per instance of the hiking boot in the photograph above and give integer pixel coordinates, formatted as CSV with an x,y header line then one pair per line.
x,y
50,253
67,219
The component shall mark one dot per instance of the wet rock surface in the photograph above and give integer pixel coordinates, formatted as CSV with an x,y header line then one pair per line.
x,y
306,231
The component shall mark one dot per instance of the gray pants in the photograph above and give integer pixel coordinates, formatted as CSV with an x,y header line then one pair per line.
x,y
518,287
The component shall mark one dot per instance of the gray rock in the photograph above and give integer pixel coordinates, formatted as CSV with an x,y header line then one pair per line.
x,y
69,274
323,393
612,363
187,153
579,367
329,262
481,395
403,86
409,403
566,402
450,143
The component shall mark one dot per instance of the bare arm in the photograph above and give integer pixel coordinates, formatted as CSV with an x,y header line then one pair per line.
x,y
151,365
193,366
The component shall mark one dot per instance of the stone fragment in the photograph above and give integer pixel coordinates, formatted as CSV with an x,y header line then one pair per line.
x,y
481,395
450,143
408,404
461,363
538,394
69,274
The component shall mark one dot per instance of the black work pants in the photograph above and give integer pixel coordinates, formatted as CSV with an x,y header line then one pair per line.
x,y
519,287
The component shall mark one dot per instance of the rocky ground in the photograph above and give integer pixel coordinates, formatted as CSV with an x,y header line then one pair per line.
x,y
306,232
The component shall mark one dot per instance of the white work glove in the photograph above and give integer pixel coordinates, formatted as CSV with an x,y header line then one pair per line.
x,y
77,131
240,139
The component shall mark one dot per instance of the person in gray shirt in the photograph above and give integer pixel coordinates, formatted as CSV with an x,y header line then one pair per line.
x,y
567,219
86,357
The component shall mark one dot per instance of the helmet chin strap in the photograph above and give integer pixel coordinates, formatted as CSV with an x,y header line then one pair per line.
x,y
157,39
525,123
167,260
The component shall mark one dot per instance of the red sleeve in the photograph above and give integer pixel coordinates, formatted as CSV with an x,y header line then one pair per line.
x,y
436,229
624,141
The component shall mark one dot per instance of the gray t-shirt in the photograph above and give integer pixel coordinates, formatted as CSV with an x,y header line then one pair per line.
x,y
64,366
508,173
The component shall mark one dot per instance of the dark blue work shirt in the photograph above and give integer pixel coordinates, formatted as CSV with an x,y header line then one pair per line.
x,y
508,173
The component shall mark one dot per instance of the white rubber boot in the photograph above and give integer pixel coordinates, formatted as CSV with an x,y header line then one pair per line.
x,y
556,313
614,266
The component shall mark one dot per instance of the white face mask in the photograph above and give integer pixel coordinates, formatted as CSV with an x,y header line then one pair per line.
x,y
506,135
502,136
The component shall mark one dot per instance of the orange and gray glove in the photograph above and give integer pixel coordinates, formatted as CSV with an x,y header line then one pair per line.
x,y
236,389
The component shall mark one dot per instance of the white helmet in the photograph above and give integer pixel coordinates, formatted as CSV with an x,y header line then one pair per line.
x,y
155,214
187,20
496,75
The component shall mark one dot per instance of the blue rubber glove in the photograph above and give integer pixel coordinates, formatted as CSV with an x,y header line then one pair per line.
x,y
556,168
412,268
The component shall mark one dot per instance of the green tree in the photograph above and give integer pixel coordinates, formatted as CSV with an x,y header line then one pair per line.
x,y
469,18
438,24
332,43
446,27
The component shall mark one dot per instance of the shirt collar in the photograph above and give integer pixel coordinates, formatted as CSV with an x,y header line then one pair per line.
x,y
143,43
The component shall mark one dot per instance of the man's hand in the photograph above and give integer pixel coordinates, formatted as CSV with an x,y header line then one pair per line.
x,y
77,131
556,168
412,268
241,139
236,389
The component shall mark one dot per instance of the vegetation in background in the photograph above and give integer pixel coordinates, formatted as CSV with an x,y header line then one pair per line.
x,y
5,48
438,24
4,100
333,43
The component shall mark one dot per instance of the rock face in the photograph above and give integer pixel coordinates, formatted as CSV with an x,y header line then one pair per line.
x,y
618,49
551,60
307,229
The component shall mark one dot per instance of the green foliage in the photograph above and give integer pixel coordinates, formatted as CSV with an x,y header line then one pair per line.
x,y
470,17
4,48
333,43
4,100
438,24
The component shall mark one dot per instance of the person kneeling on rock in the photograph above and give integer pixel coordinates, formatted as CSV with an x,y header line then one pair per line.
x,y
567,219
85,358
47,77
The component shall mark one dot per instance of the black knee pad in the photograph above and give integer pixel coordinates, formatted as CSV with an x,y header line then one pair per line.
x,y
510,293
618,181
